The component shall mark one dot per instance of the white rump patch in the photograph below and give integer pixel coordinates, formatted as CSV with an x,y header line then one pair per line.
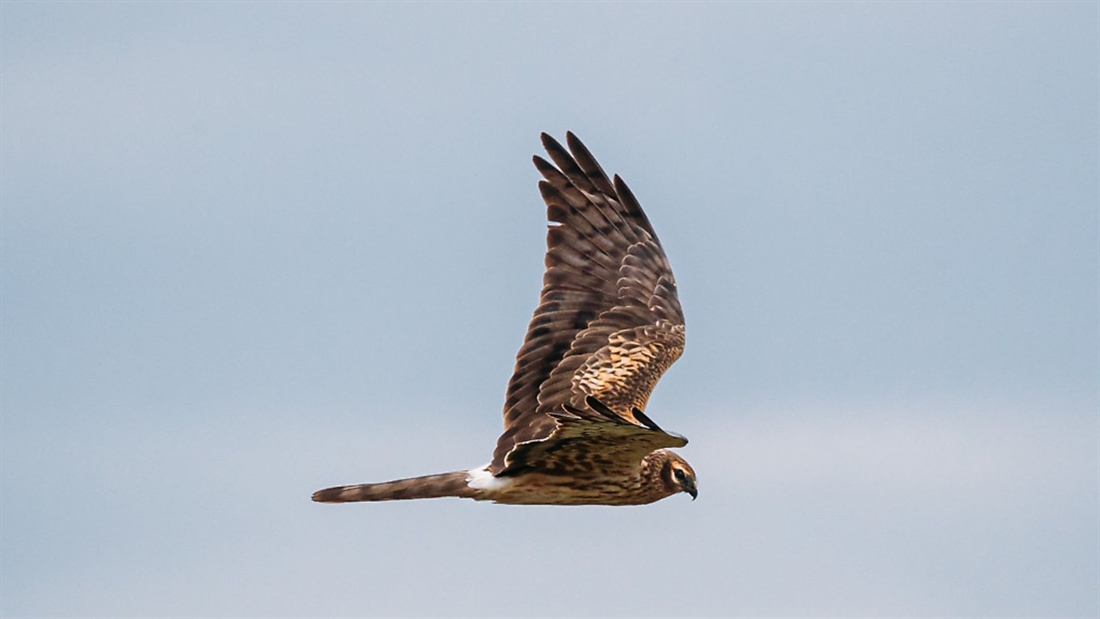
x,y
482,479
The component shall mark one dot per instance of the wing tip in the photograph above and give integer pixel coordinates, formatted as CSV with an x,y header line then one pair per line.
x,y
549,143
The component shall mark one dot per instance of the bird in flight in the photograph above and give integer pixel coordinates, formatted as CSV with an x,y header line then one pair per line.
x,y
608,324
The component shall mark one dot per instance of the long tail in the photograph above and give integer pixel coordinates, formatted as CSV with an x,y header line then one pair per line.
x,y
426,487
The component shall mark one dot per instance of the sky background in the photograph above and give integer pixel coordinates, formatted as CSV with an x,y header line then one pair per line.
x,y
250,250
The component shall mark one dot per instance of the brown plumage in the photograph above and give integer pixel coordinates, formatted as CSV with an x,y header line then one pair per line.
x,y
426,487
608,324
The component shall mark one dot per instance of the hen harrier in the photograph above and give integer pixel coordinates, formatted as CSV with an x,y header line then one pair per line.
x,y
608,324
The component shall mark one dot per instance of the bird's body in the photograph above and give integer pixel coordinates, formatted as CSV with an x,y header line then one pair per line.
x,y
650,482
607,326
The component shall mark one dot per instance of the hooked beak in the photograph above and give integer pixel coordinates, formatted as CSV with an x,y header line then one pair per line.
x,y
689,487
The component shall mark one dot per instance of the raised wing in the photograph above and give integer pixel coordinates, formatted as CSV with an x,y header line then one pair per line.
x,y
608,323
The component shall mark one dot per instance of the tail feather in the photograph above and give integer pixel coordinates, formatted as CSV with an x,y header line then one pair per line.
x,y
426,487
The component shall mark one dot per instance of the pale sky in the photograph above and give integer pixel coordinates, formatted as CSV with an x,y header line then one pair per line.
x,y
250,250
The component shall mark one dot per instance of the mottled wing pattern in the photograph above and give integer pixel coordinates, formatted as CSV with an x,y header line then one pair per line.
x,y
593,441
608,324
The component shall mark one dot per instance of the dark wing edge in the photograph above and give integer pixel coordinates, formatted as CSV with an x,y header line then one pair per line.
x,y
608,323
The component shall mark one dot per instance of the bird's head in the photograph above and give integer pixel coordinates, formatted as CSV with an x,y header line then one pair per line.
x,y
678,475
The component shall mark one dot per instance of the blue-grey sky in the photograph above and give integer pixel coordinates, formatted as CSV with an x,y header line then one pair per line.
x,y
254,249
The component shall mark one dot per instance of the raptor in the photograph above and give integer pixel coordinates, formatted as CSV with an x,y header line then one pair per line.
x,y
607,326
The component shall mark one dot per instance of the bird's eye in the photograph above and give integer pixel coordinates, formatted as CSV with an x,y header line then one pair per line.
x,y
679,473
